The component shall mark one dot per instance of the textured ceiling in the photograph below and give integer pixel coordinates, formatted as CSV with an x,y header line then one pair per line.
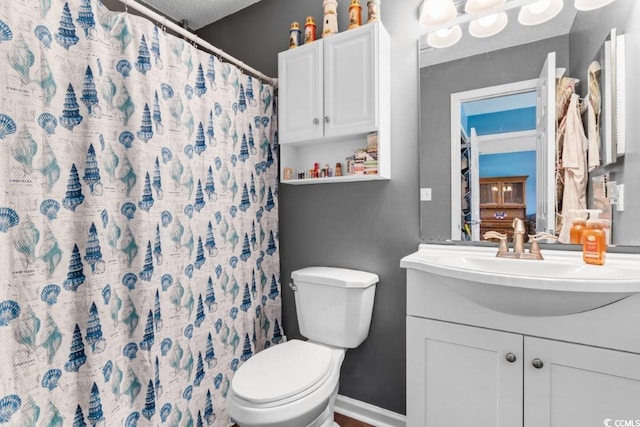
x,y
198,13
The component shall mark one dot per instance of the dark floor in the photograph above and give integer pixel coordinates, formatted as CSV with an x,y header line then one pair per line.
x,y
345,421
348,422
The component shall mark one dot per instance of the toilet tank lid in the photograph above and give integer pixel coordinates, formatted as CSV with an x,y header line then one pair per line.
x,y
333,276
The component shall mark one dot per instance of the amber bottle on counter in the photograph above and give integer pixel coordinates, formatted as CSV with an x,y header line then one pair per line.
x,y
594,243
575,233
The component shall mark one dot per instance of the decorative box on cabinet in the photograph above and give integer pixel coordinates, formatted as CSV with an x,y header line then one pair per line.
x,y
332,93
469,365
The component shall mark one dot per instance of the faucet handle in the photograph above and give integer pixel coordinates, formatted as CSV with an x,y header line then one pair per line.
x,y
533,239
502,248
495,235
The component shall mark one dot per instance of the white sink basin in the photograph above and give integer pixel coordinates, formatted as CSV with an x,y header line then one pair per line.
x,y
561,284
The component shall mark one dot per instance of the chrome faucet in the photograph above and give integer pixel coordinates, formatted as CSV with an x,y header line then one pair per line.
x,y
518,242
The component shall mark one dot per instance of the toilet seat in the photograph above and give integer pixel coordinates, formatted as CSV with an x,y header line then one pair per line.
x,y
282,374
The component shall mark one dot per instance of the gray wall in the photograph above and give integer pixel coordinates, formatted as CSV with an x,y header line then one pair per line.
x,y
366,225
437,83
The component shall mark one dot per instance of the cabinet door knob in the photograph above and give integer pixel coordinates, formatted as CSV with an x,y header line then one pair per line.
x,y
316,121
326,119
510,357
537,363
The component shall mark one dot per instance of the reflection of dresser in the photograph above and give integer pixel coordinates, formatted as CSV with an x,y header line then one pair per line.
x,y
502,199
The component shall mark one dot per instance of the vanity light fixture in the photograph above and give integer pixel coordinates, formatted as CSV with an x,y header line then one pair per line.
x,y
478,7
445,37
489,25
435,13
486,18
540,12
587,5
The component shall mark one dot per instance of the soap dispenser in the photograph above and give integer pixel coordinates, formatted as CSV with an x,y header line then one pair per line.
x,y
579,223
594,241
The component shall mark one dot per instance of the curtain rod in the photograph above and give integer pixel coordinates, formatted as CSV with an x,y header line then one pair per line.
x,y
162,20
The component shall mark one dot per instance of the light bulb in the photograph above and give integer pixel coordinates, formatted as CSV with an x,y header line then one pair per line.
x,y
477,7
539,6
489,25
587,5
444,32
437,12
445,37
540,12
487,21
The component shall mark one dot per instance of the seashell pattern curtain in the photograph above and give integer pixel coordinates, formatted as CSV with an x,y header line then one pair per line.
x,y
138,221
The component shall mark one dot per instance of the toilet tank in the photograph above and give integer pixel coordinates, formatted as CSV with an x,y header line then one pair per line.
x,y
334,305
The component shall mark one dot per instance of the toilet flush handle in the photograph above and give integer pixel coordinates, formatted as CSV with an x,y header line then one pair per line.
x,y
292,286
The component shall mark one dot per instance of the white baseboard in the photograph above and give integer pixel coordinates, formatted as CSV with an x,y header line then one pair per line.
x,y
368,413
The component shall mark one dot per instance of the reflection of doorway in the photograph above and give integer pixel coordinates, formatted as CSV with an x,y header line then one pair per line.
x,y
503,133
482,108
464,164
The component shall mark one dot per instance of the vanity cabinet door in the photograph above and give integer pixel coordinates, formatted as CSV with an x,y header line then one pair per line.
x,y
577,385
300,93
462,375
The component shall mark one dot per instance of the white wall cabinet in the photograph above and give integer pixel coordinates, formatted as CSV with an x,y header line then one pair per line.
x,y
470,365
332,93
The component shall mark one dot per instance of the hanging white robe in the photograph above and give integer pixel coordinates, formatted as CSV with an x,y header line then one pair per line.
x,y
574,163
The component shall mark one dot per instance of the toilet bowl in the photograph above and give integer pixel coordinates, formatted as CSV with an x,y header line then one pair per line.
x,y
295,384
292,385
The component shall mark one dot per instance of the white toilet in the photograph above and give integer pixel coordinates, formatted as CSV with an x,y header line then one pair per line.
x,y
295,384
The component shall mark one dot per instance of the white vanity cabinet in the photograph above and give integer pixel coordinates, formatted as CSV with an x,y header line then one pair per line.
x,y
470,365
464,375
332,93
571,384
459,375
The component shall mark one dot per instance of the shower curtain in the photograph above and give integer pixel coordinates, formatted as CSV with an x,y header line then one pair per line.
x,y
138,221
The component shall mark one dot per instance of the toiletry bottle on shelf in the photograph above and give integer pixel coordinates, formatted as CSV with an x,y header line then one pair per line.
x,y
594,244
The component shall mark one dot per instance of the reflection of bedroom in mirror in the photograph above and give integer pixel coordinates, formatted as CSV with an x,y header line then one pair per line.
x,y
506,136
518,54
498,162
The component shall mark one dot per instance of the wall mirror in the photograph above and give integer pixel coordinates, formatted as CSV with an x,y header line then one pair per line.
x,y
488,101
